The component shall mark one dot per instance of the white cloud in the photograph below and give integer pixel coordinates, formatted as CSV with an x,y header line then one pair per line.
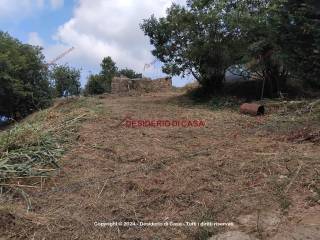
x,y
34,39
101,28
55,4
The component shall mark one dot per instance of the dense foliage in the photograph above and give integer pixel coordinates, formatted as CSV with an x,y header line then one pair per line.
x,y
66,81
199,39
297,28
274,40
24,85
129,73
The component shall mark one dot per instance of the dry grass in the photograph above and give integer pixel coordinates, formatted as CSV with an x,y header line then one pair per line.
x,y
235,165
30,150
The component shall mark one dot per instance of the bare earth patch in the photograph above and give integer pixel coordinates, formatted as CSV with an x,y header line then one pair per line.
x,y
230,168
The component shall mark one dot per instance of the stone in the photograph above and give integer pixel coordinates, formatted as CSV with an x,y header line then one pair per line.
x,y
300,233
308,228
268,220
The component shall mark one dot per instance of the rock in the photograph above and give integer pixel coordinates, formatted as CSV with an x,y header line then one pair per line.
x,y
308,228
268,221
233,235
300,233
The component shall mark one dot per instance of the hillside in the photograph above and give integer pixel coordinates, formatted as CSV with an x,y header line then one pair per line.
x,y
78,164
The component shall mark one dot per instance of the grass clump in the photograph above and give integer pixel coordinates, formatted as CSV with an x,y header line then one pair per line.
x,y
25,150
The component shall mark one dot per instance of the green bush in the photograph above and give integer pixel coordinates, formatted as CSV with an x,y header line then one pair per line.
x,y
95,85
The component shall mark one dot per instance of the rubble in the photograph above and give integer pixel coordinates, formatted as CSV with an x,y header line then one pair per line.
x,y
123,84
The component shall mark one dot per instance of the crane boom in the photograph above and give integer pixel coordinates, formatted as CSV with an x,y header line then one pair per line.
x,y
52,62
148,65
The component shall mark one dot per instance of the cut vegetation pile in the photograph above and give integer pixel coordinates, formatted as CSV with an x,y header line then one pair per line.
x,y
30,150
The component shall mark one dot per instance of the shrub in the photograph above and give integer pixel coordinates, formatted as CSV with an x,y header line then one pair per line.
x,y
95,85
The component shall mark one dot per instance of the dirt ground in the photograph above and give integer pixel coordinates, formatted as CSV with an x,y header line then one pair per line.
x,y
230,168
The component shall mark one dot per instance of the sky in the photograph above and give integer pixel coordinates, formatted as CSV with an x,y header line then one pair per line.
x,y
95,28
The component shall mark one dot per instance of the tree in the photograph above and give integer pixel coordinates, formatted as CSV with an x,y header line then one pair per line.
x,y
95,85
284,41
262,55
201,39
24,84
101,83
297,30
66,80
129,73
108,71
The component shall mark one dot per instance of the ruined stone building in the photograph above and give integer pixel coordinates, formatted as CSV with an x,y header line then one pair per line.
x,y
123,84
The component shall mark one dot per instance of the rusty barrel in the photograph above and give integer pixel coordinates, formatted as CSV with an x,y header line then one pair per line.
x,y
252,109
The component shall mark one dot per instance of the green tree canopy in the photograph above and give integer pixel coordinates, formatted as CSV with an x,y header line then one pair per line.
x,y
129,73
201,39
297,29
108,68
66,80
108,71
24,84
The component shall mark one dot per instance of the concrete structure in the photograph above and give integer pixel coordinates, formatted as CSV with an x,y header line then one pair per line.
x,y
123,84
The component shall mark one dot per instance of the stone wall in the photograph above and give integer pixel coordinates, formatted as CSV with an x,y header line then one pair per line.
x,y
123,84
143,85
163,83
